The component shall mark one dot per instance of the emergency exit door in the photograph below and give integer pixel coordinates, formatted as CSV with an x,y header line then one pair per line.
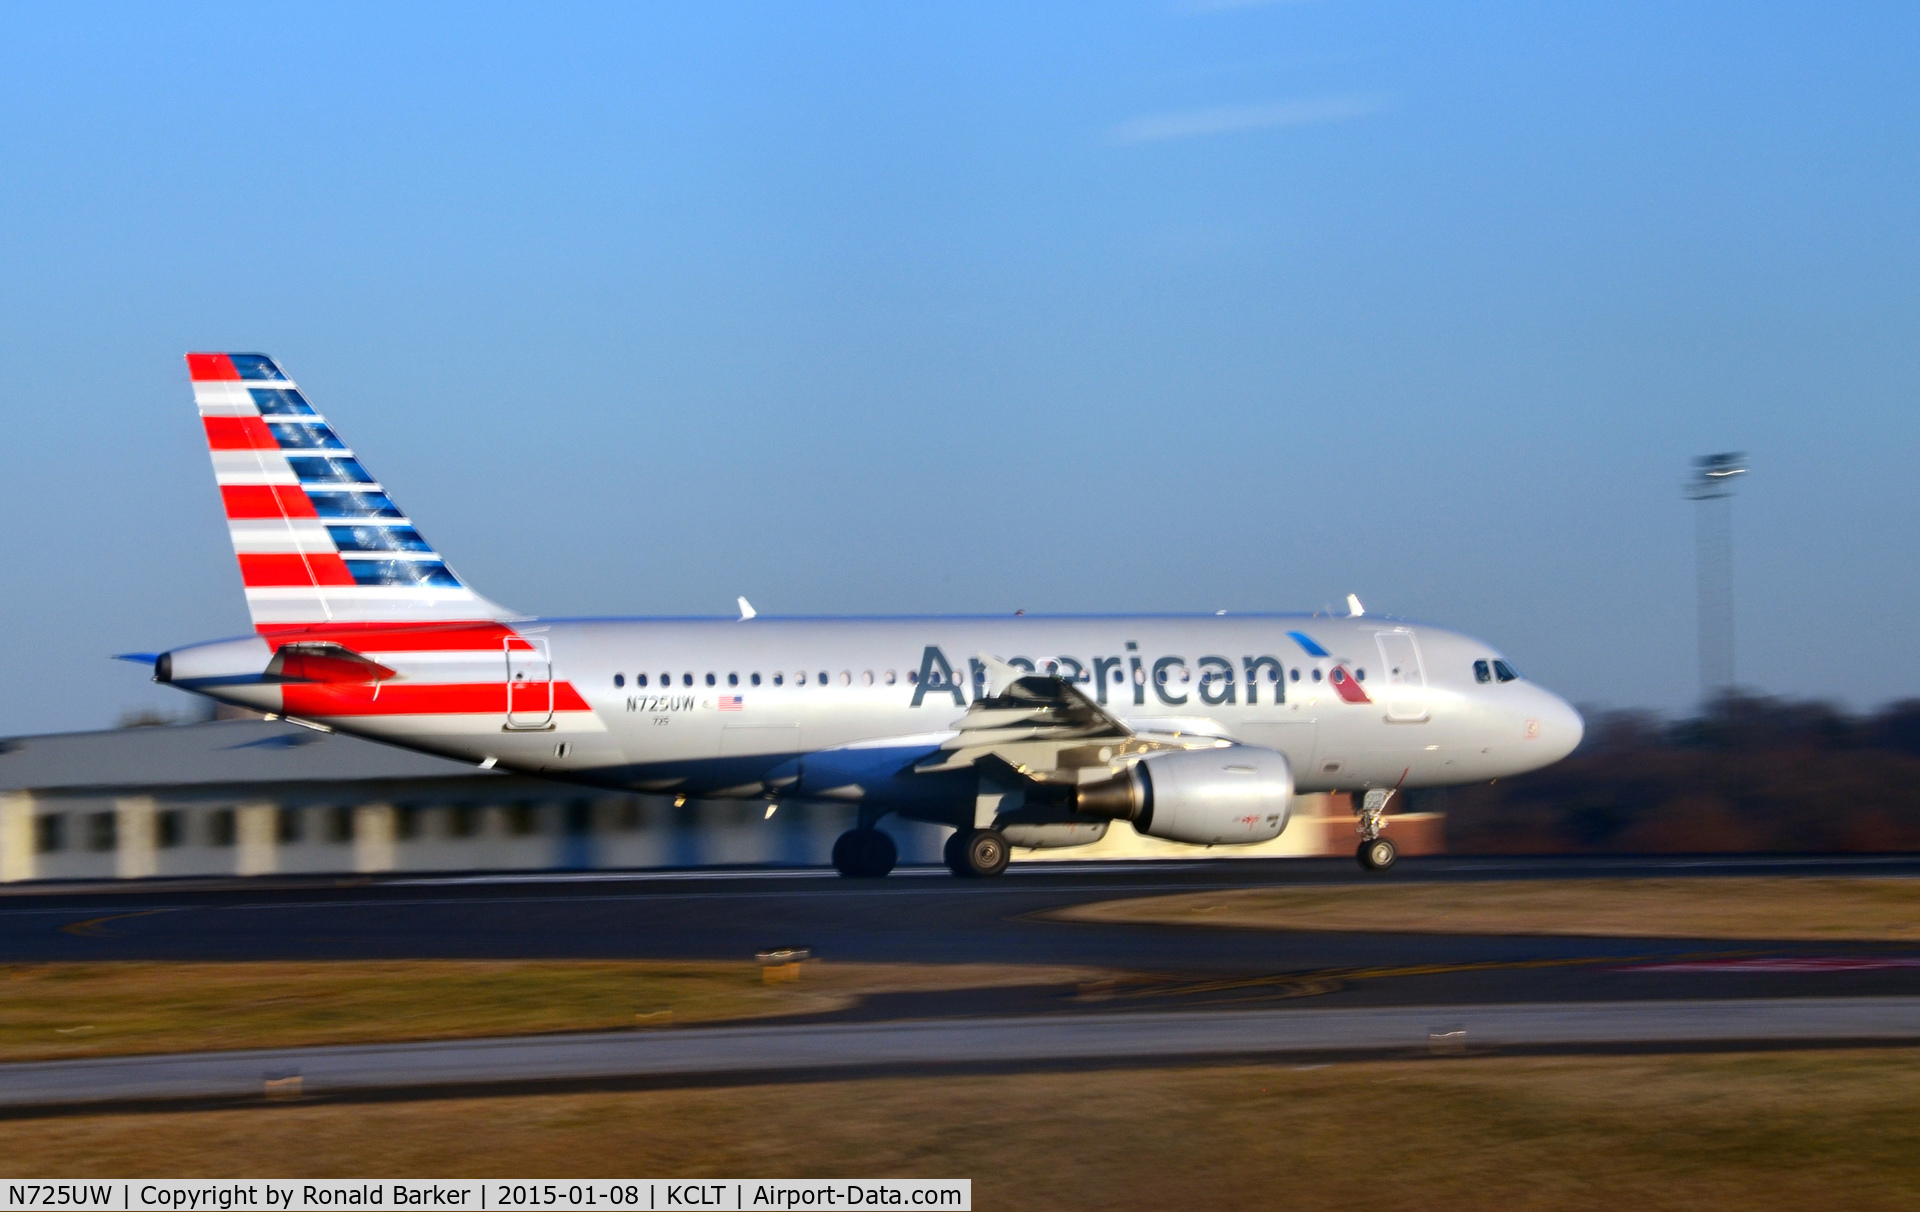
x,y
1406,682
529,683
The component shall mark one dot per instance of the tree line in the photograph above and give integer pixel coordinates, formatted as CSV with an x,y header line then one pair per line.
x,y
1750,773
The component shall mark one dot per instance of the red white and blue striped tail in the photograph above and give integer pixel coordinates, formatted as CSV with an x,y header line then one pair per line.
x,y
320,541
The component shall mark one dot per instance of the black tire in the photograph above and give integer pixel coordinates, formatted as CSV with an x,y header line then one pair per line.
x,y
955,860
985,853
864,854
1377,855
844,850
880,853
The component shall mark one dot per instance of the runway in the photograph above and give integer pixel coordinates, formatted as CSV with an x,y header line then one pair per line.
x,y
784,1052
924,915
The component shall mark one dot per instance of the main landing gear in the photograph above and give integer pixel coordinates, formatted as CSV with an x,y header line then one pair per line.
x,y
1375,853
976,853
864,854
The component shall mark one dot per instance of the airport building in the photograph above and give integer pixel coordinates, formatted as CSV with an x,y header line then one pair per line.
x,y
258,797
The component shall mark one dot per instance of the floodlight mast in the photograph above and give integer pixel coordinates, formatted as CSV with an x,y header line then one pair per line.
x,y
1711,490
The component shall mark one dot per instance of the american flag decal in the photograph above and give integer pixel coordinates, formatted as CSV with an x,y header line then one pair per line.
x,y
731,702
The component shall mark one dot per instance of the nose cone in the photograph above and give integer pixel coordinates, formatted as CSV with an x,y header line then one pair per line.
x,y
1553,728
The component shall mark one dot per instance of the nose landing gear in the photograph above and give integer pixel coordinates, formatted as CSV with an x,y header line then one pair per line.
x,y
1375,853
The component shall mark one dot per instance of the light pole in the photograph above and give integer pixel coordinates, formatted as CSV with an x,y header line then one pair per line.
x,y
1711,489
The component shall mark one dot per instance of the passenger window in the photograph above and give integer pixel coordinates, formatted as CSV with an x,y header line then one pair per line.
x,y
891,677
1504,672
733,679
823,677
846,677
1316,675
866,679
755,679
686,679
1295,675
779,679
913,676
639,679
619,680
1482,672
1360,675
800,678
709,679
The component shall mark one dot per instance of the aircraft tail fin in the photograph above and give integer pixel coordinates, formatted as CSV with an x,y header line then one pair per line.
x,y
319,540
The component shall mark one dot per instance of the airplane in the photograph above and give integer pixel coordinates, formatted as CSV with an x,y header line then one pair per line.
x,y
1023,731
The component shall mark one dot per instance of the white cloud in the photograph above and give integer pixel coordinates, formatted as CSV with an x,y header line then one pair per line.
x,y
1185,124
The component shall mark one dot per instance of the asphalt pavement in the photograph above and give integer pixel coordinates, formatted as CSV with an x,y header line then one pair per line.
x,y
924,915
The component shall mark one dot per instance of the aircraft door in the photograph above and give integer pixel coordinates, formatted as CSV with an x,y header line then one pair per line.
x,y
1406,682
529,683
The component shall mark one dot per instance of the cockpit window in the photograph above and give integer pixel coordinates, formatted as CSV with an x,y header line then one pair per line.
x,y
1505,672
1482,672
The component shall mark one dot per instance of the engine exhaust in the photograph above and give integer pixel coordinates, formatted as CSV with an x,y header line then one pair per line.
x,y
1127,796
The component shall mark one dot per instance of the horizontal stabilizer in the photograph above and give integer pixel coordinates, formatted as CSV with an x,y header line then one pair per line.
x,y
324,663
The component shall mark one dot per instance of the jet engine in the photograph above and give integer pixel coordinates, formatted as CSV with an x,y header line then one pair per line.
x,y
1234,794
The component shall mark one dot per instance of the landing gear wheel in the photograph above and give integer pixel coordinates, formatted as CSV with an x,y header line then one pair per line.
x,y
1377,855
864,854
977,853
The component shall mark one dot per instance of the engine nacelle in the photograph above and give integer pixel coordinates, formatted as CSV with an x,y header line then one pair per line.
x,y
1235,795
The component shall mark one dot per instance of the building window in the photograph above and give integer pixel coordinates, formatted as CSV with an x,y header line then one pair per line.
x,y
49,833
340,824
220,827
101,833
522,818
406,821
287,824
464,821
169,828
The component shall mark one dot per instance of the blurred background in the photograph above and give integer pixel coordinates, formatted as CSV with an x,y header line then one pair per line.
x,y
871,309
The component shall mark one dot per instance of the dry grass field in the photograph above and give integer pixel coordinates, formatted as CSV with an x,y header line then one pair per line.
x,y
1786,909
61,1010
1749,1131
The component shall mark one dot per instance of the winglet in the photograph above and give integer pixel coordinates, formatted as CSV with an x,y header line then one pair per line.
x,y
1354,608
746,609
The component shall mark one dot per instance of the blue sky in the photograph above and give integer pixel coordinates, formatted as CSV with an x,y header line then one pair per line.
x,y
894,309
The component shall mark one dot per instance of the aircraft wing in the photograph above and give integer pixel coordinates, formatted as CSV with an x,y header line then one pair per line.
x,y
1046,730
